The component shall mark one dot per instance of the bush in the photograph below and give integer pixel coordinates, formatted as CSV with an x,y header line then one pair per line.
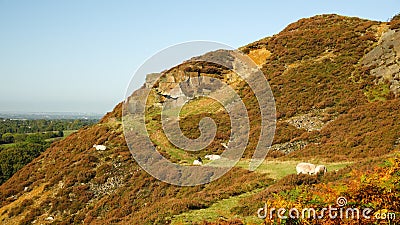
x,y
14,158
7,138
20,137
395,22
35,138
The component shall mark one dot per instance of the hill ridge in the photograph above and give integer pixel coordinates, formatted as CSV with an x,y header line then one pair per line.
x,y
313,67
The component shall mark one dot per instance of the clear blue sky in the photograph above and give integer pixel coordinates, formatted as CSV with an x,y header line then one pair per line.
x,y
79,56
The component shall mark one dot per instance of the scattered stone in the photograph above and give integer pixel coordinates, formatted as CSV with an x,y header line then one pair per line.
x,y
289,147
50,218
307,122
100,147
108,187
396,143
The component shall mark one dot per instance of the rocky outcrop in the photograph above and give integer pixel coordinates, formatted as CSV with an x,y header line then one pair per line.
x,y
314,120
150,79
384,60
187,80
306,121
111,184
289,147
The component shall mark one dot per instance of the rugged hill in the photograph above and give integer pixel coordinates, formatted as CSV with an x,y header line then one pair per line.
x,y
335,82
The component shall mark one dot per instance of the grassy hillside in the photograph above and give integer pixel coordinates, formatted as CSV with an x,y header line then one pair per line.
x,y
329,110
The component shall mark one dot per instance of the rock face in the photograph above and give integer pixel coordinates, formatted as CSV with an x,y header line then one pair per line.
x,y
186,81
150,78
384,60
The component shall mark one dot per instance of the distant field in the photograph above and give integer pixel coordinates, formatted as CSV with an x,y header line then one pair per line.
x,y
18,149
8,145
68,132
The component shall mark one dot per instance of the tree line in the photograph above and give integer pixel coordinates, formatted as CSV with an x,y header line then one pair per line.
x,y
42,125
23,140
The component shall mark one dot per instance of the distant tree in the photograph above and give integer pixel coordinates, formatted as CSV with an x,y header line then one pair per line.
x,y
32,126
7,138
35,138
14,158
20,137
48,135
60,133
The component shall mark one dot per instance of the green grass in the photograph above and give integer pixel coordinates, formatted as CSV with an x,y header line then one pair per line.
x,y
54,139
9,145
220,209
199,106
377,93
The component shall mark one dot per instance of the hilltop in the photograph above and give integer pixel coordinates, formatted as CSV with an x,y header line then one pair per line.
x,y
335,80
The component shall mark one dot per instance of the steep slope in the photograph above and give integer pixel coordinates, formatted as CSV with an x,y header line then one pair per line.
x,y
316,77
325,111
73,184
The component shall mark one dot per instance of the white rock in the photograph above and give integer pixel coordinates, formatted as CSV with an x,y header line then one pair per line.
x,y
50,218
100,147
